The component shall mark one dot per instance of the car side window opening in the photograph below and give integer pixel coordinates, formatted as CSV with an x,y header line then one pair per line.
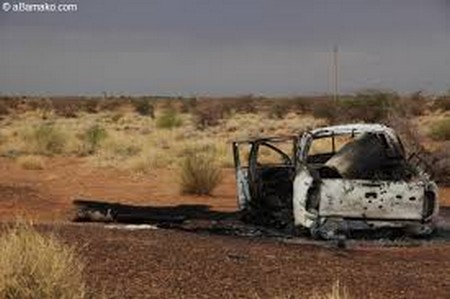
x,y
269,154
322,149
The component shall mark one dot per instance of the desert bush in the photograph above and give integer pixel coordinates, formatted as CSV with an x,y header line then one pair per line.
x,y
246,104
278,111
46,139
10,102
109,104
441,166
38,266
437,162
414,105
441,130
93,137
200,173
324,109
168,119
188,105
3,109
144,107
210,115
39,104
441,103
67,111
370,106
31,162
91,106
303,105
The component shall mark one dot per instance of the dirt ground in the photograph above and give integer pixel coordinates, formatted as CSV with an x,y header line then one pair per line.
x,y
173,264
164,263
47,195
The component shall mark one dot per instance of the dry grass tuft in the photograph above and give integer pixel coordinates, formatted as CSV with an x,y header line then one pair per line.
x,y
46,139
337,292
147,161
200,173
31,162
38,266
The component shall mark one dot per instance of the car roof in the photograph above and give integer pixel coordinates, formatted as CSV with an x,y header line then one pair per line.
x,y
350,129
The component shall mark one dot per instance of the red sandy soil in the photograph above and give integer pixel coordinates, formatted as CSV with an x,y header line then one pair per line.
x,y
46,195
174,264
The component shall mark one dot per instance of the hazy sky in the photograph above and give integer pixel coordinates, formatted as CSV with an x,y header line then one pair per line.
x,y
226,47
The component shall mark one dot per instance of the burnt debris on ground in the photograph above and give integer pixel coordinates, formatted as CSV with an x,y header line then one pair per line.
x,y
200,219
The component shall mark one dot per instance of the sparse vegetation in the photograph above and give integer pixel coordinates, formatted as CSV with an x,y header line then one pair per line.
x,y
278,111
93,137
200,173
169,119
31,162
46,139
38,266
144,107
3,109
442,103
190,136
367,106
441,130
210,115
131,136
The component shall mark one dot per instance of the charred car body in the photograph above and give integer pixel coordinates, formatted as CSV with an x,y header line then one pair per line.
x,y
334,180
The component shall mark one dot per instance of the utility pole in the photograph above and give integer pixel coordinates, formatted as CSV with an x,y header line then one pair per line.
x,y
335,74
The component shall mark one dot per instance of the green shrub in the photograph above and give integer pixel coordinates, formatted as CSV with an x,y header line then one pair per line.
x,y
93,137
169,119
441,130
37,266
47,139
200,173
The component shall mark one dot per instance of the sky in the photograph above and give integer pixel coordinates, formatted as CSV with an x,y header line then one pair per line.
x,y
226,47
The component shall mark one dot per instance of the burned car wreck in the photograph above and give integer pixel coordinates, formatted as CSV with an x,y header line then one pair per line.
x,y
335,180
